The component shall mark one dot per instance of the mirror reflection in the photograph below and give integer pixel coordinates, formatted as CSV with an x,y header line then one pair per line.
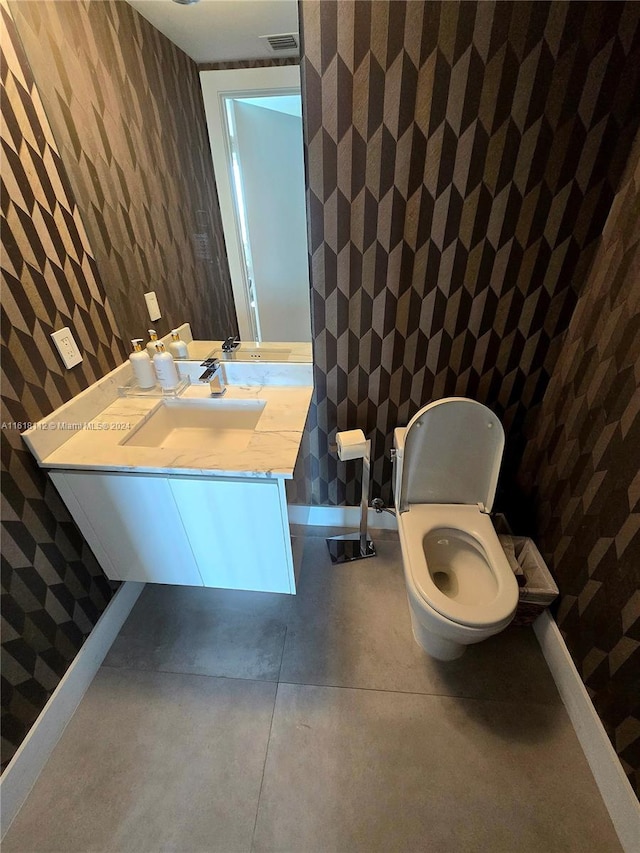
x,y
254,122
220,240
254,118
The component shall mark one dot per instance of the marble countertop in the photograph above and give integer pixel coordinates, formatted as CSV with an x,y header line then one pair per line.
x,y
90,431
100,444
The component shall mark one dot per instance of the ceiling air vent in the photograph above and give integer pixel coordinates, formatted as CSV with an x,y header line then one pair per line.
x,y
282,42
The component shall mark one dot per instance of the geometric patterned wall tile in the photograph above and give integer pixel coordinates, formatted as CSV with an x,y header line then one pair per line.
x,y
132,133
53,590
461,161
580,471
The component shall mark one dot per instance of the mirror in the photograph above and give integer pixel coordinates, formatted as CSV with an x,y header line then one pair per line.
x,y
126,112
254,121
254,118
250,351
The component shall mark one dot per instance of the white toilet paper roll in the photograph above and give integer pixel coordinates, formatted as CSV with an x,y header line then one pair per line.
x,y
351,444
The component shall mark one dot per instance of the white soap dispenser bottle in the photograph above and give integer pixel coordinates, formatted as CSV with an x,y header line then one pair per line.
x,y
143,371
153,340
178,348
165,368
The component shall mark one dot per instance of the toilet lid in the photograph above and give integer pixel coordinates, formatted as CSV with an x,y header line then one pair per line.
x,y
452,454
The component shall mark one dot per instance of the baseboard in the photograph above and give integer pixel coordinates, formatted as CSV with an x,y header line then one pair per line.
x,y
616,791
26,765
340,516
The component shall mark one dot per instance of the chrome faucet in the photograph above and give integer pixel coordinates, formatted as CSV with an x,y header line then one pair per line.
x,y
230,344
213,375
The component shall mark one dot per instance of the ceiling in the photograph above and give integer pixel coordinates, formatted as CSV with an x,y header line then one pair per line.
x,y
222,30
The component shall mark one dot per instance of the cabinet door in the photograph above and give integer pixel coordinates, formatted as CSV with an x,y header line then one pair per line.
x,y
136,521
237,531
78,514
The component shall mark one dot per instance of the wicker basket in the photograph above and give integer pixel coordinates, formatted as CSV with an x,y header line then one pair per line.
x,y
539,589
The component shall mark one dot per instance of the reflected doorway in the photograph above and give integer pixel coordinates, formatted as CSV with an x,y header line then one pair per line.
x,y
254,118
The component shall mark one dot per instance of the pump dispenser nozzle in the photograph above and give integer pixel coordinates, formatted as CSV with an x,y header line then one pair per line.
x,y
151,344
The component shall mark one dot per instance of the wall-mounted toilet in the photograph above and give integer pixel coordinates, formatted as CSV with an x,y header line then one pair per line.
x,y
460,586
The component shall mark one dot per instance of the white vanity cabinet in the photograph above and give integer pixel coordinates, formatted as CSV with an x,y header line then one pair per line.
x,y
187,490
195,531
238,531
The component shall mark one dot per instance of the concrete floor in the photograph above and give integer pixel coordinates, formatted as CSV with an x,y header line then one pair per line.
x,y
227,721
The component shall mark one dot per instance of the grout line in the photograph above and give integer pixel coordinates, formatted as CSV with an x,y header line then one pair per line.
x,y
514,701
186,672
266,752
284,643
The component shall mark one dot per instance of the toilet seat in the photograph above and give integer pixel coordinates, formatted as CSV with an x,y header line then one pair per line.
x,y
475,529
447,462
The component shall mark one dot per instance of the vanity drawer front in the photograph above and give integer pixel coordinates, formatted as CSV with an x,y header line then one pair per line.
x,y
238,533
136,522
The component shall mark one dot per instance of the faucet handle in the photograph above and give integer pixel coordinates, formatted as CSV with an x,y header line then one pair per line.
x,y
211,362
230,344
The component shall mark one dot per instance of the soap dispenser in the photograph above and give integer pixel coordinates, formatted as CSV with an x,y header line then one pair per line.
x,y
153,340
142,367
165,368
177,348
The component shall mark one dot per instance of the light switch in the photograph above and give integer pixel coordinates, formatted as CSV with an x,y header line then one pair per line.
x,y
67,347
152,305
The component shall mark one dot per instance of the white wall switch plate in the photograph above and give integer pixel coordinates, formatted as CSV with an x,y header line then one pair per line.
x,y
152,305
67,347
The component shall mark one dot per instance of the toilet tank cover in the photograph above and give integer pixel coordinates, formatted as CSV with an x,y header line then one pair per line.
x,y
452,454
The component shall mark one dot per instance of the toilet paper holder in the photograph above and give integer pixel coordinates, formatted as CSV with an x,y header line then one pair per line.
x,y
355,546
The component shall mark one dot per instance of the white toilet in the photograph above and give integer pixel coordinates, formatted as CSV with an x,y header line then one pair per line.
x,y
460,586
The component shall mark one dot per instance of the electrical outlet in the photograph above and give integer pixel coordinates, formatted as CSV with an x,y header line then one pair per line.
x,y
67,347
202,246
152,305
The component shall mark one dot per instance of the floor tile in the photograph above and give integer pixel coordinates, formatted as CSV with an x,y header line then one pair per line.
x,y
350,627
362,770
215,632
152,762
164,755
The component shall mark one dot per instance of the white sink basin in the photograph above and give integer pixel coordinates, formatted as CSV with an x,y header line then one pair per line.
x,y
202,424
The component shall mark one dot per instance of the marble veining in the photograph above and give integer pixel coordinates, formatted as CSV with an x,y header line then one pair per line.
x,y
91,430
248,373
45,437
100,443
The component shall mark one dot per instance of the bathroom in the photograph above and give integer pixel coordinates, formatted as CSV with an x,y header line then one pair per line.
x,y
472,174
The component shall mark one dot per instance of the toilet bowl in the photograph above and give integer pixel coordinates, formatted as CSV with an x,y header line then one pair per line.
x,y
460,586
